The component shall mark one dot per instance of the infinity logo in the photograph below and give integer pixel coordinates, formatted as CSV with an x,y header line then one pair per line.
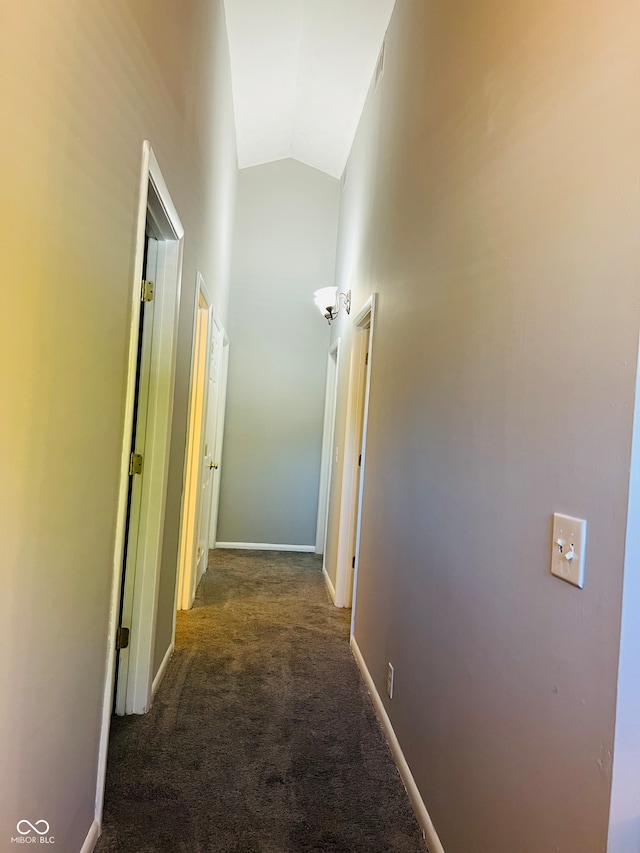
x,y
32,827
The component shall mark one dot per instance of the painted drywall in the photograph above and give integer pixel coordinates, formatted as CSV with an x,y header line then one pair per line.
x,y
83,85
215,138
301,71
492,201
624,819
284,249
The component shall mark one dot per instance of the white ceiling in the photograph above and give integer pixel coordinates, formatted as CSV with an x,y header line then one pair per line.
x,y
300,72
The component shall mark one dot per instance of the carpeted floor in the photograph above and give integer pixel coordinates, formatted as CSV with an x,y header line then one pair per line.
x,y
262,737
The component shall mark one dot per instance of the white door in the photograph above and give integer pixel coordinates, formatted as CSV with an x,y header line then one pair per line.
x,y
201,474
354,455
193,557
326,464
209,465
217,428
133,542
361,405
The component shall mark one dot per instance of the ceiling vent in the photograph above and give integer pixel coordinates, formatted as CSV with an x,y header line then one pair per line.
x,y
379,67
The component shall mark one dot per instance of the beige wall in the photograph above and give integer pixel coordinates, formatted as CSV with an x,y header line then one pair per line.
x,y
492,201
83,83
284,249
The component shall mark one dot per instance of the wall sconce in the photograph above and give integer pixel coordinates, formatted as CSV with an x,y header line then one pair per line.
x,y
328,301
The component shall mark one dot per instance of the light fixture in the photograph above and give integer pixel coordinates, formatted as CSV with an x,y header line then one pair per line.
x,y
328,301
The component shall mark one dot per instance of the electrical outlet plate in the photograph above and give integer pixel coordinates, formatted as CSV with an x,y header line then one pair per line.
x,y
390,674
568,544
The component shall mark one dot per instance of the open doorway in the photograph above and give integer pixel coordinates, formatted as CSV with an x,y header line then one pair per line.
x,y
204,444
215,421
197,458
328,456
146,436
355,455
150,384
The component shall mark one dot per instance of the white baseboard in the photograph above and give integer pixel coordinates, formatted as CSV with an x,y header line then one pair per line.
x,y
431,837
330,586
92,838
266,546
161,670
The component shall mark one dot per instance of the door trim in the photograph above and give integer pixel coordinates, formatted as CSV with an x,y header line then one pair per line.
x,y
219,431
353,474
328,434
153,199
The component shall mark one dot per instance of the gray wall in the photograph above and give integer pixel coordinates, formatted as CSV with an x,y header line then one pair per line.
x,y
284,249
215,156
492,201
83,85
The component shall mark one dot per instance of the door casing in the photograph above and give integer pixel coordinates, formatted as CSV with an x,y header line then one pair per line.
x,y
328,450
203,328
217,426
141,584
355,445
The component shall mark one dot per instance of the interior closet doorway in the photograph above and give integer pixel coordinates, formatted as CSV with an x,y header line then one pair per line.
x,y
204,446
355,455
328,448
144,464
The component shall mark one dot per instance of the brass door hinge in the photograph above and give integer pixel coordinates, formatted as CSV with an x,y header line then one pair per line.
x,y
135,464
122,638
148,289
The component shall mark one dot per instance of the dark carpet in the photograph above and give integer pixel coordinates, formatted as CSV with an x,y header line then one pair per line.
x,y
262,737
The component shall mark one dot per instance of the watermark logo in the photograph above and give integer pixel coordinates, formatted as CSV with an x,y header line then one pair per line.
x,y
33,833
40,826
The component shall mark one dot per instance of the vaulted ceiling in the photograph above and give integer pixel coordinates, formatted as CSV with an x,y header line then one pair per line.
x,y
300,71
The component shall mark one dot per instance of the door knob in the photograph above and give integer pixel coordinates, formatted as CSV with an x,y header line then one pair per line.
x,y
213,465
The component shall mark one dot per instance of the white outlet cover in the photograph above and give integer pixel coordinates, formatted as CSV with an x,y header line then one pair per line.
x,y
568,544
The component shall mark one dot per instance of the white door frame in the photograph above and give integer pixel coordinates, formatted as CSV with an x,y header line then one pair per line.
x,y
328,434
214,401
353,474
142,584
192,475
219,431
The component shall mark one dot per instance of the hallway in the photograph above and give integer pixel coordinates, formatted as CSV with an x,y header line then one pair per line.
x,y
262,737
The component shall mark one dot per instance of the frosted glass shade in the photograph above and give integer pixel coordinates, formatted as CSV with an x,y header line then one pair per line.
x,y
325,299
